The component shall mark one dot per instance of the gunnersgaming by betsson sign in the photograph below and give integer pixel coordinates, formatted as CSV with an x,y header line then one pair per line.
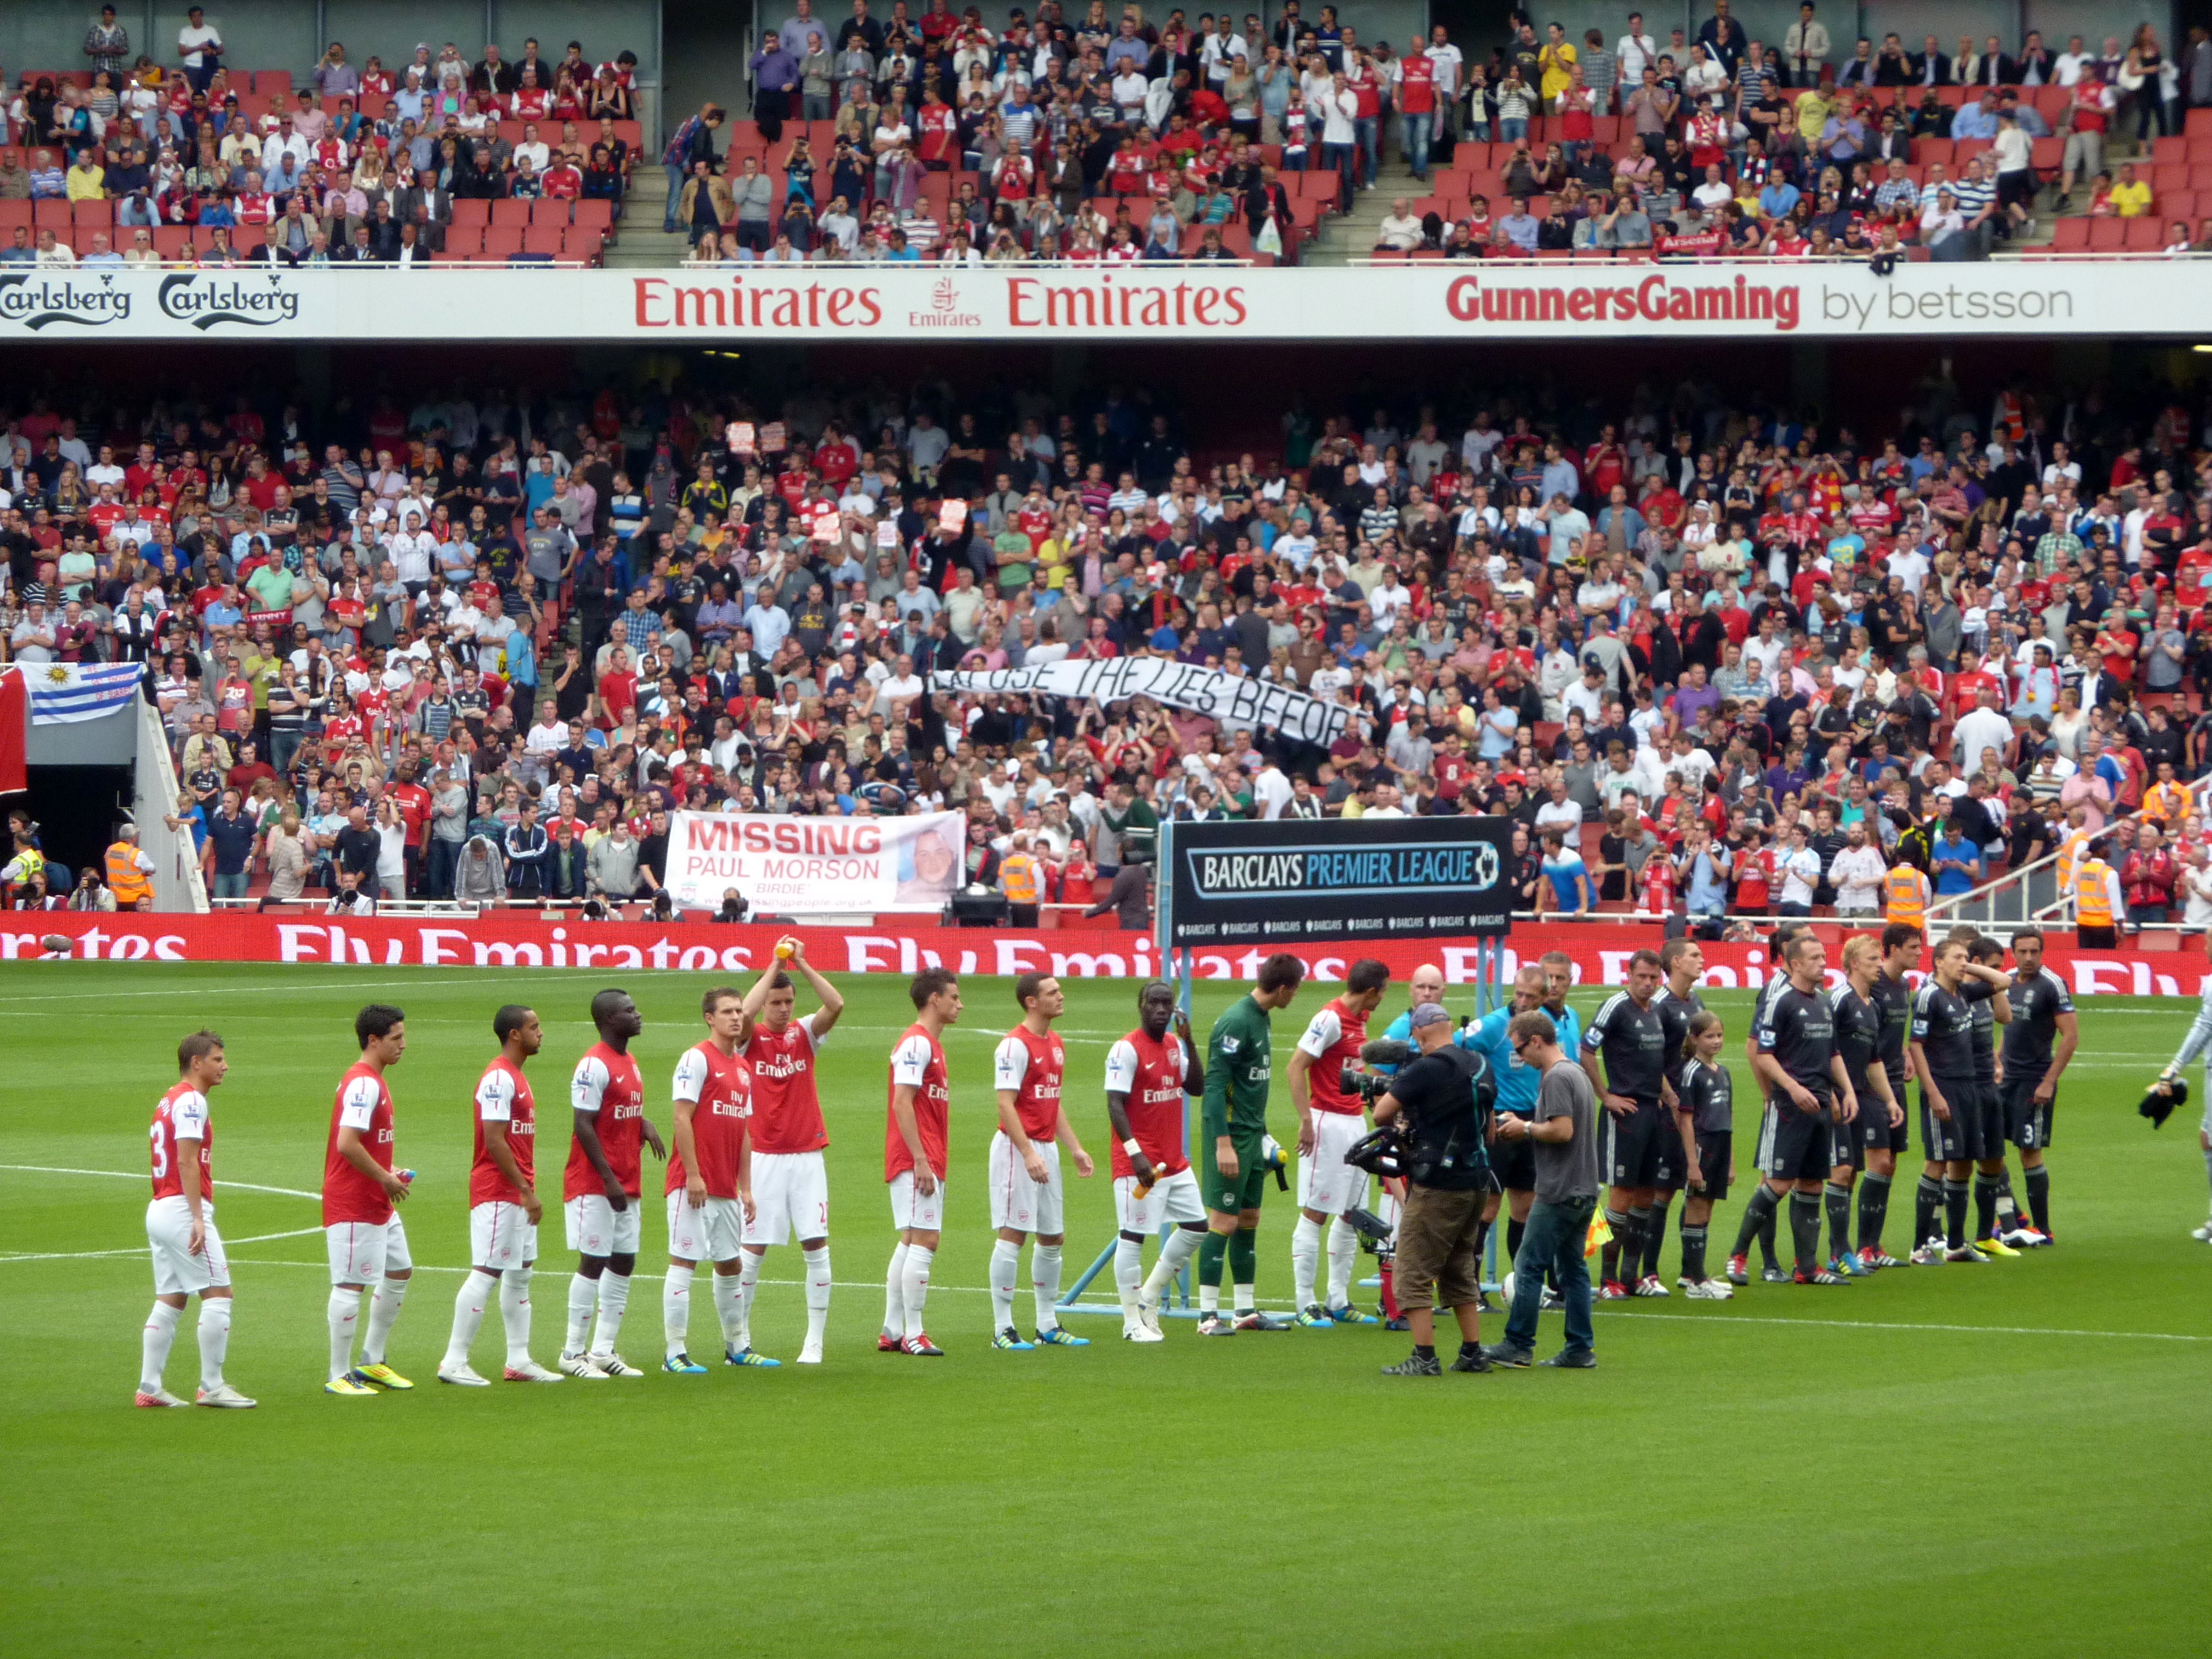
x,y
1317,878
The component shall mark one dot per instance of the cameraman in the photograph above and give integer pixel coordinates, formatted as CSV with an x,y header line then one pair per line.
x,y
1447,1169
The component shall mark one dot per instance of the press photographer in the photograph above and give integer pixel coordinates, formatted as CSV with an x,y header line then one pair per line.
x,y
1437,1111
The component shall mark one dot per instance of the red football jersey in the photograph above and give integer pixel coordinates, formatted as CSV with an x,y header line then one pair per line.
x,y
607,1083
918,1060
786,1111
1030,1065
362,1103
1333,1040
182,1112
1150,1073
720,1087
504,1097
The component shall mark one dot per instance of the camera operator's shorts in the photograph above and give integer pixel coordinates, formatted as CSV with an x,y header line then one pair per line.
x,y
1959,1138
2027,1122
1326,1182
1436,1264
1231,1194
1715,1148
1640,1150
1513,1165
1793,1145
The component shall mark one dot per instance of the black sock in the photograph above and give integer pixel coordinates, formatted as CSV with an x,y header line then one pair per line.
x,y
1985,1206
1639,1231
1514,1233
2037,1178
1482,1237
1805,1230
1655,1236
1609,1256
1927,1201
1873,1209
1693,1252
1468,1347
1954,1213
1426,1350
1766,1237
1757,1219
1838,1202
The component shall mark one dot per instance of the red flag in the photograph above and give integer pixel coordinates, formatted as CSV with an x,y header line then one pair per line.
x,y
14,726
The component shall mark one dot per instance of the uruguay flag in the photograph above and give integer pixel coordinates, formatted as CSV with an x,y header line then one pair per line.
x,y
62,692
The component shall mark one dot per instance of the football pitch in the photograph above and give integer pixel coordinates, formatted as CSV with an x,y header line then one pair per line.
x,y
2014,1458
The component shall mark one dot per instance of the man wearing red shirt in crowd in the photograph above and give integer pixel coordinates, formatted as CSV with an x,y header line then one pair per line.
x,y
2147,877
1415,75
413,801
937,126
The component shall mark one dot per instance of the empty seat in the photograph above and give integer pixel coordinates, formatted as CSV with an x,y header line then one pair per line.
x,y
502,241
508,211
472,212
542,239
2107,235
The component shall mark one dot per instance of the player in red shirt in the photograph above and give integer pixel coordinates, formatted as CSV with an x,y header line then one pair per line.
x,y
791,1192
600,1187
709,1190
367,1241
1330,1124
188,1253
914,1159
1148,1074
1025,1190
504,1207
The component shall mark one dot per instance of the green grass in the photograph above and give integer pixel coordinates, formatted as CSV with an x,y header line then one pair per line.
x,y
2011,1459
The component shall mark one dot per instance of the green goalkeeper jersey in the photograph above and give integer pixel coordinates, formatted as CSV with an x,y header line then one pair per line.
x,y
1238,1066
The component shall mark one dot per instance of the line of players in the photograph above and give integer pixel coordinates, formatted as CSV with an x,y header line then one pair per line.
x,y
747,1172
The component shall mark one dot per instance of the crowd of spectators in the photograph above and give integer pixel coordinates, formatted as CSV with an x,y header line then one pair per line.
x,y
133,159
484,647
1110,138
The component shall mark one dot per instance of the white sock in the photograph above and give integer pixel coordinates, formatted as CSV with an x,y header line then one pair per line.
x,y
1044,1280
1128,1272
1182,1244
1305,1259
215,1338
1006,1272
818,1292
1243,1298
583,1296
343,1314
383,1303
730,1309
1343,1256
676,1308
514,1313
1209,1299
614,1297
749,1271
916,1290
159,1336
469,1305
894,1293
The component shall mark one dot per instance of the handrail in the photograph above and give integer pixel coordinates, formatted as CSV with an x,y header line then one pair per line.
x,y
1996,886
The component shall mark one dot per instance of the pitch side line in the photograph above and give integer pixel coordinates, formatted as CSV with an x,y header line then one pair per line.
x,y
139,1250
140,1175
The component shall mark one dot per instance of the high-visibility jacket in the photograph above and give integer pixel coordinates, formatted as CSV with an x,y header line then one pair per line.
x,y
2167,803
124,878
2093,893
2071,851
1017,876
1905,891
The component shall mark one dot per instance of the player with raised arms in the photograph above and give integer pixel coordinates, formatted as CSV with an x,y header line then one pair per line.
x,y
1149,1074
504,1207
361,1228
600,1187
1239,1065
1330,1124
915,1137
710,1180
188,1254
1026,1199
791,1190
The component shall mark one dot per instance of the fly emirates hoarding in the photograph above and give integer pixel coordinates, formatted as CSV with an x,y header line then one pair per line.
x,y
1435,301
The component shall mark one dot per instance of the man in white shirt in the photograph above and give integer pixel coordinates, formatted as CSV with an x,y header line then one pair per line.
x,y
1270,791
1635,50
1856,873
1909,566
1986,727
1561,813
1800,870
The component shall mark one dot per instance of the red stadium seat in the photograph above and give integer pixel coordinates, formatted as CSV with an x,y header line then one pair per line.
x,y
507,211
584,243
2107,235
595,214
472,212
50,215
2198,123
14,211
2070,236
172,241
2167,180
2146,232
92,215
465,238
502,241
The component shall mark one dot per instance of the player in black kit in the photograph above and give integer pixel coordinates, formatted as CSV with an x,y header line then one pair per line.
x,y
1858,1039
2038,1045
1992,1187
1705,1109
1809,1094
1624,1052
1683,965
1952,1111
1885,1141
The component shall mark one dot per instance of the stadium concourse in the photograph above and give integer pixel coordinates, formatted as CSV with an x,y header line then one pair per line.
x,y
962,140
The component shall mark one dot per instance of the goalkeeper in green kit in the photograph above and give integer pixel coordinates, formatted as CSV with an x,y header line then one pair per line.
x,y
1234,1123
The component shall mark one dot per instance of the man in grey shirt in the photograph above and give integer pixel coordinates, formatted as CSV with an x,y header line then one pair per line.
x,y
1564,1128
